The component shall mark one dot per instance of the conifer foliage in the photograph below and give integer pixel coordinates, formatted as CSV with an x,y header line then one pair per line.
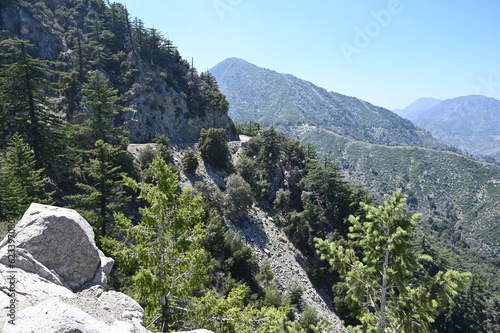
x,y
21,183
380,271
25,105
165,249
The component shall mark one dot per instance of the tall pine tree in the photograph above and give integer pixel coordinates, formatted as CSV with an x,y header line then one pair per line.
x,y
103,191
21,183
26,108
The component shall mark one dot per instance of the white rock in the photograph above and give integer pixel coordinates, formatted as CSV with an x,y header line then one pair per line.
x,y
55,316
61,240
54,251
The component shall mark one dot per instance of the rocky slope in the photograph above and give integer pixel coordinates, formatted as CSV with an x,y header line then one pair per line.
x,y
374,147
268,242
49,261
159,92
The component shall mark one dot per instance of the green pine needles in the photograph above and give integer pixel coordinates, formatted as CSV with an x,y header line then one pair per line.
x,y
384,274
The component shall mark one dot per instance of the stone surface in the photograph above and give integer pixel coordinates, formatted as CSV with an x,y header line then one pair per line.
x,y
55,316
56,255
61,240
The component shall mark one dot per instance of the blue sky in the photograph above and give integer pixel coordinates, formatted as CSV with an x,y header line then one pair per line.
x,y
387,52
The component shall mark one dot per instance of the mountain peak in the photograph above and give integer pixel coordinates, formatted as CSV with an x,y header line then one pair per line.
x,y
283,100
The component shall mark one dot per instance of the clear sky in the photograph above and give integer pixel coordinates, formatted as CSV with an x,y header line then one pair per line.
x,y
387,52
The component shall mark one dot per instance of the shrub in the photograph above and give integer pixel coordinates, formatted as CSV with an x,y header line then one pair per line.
x,y
246,168
282,201
238,197
189,162
213,147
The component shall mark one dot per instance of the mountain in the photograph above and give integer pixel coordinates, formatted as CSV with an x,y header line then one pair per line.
x,y
373,147
470,123
271,98
159,92
421,104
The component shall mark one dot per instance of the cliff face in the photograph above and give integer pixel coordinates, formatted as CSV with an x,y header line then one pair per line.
x,y
157,108
159,92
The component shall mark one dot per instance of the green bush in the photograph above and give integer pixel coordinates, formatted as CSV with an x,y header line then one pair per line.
x,y
246,168
189,162
213,147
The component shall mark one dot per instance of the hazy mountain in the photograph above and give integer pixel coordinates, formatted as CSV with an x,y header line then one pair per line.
x,y
471,123
271,98
419,105
374,147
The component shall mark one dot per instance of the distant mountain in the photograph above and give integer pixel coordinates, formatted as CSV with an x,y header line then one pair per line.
x,y
470,123
419,105
373,147
271,98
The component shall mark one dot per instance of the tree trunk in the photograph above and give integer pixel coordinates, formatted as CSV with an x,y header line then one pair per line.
x,y
164,314
34,127
383,297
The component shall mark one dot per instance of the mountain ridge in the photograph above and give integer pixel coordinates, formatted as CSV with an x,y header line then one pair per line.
x,y
285,100
470,123
376,158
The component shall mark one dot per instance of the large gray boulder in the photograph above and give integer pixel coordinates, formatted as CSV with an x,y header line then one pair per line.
x,y
61,240
58,277
56,316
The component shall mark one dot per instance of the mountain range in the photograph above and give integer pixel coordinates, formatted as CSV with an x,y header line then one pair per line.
x,y
373,147
470,123
283,100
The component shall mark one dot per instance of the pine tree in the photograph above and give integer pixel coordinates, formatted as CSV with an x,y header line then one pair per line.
x,y
380,271
271,147
101,101
213,147
21,183
165,250
26,109
103,192
329,192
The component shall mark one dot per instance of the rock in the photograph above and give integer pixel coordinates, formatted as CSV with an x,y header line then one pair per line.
x,y
61,240
58,317
58,276
55,316
26,262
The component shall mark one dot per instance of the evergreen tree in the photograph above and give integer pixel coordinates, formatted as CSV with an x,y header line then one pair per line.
x,y
271,147
103,192
213,147
26,108
165,250
329,192
21,183
101,101
380,271
189,162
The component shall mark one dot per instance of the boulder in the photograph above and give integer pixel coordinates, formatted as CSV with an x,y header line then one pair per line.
x,y
58,277
62,241
55,316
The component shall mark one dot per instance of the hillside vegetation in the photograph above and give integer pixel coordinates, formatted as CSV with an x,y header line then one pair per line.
x,y
282,100
214,233
470,123
373,147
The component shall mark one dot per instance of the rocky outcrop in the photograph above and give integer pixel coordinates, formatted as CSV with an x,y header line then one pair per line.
x,y
52,270
157,108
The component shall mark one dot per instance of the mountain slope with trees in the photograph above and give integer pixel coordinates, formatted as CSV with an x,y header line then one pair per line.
x,y
470,123
282,100
181,219
373,146
158,91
